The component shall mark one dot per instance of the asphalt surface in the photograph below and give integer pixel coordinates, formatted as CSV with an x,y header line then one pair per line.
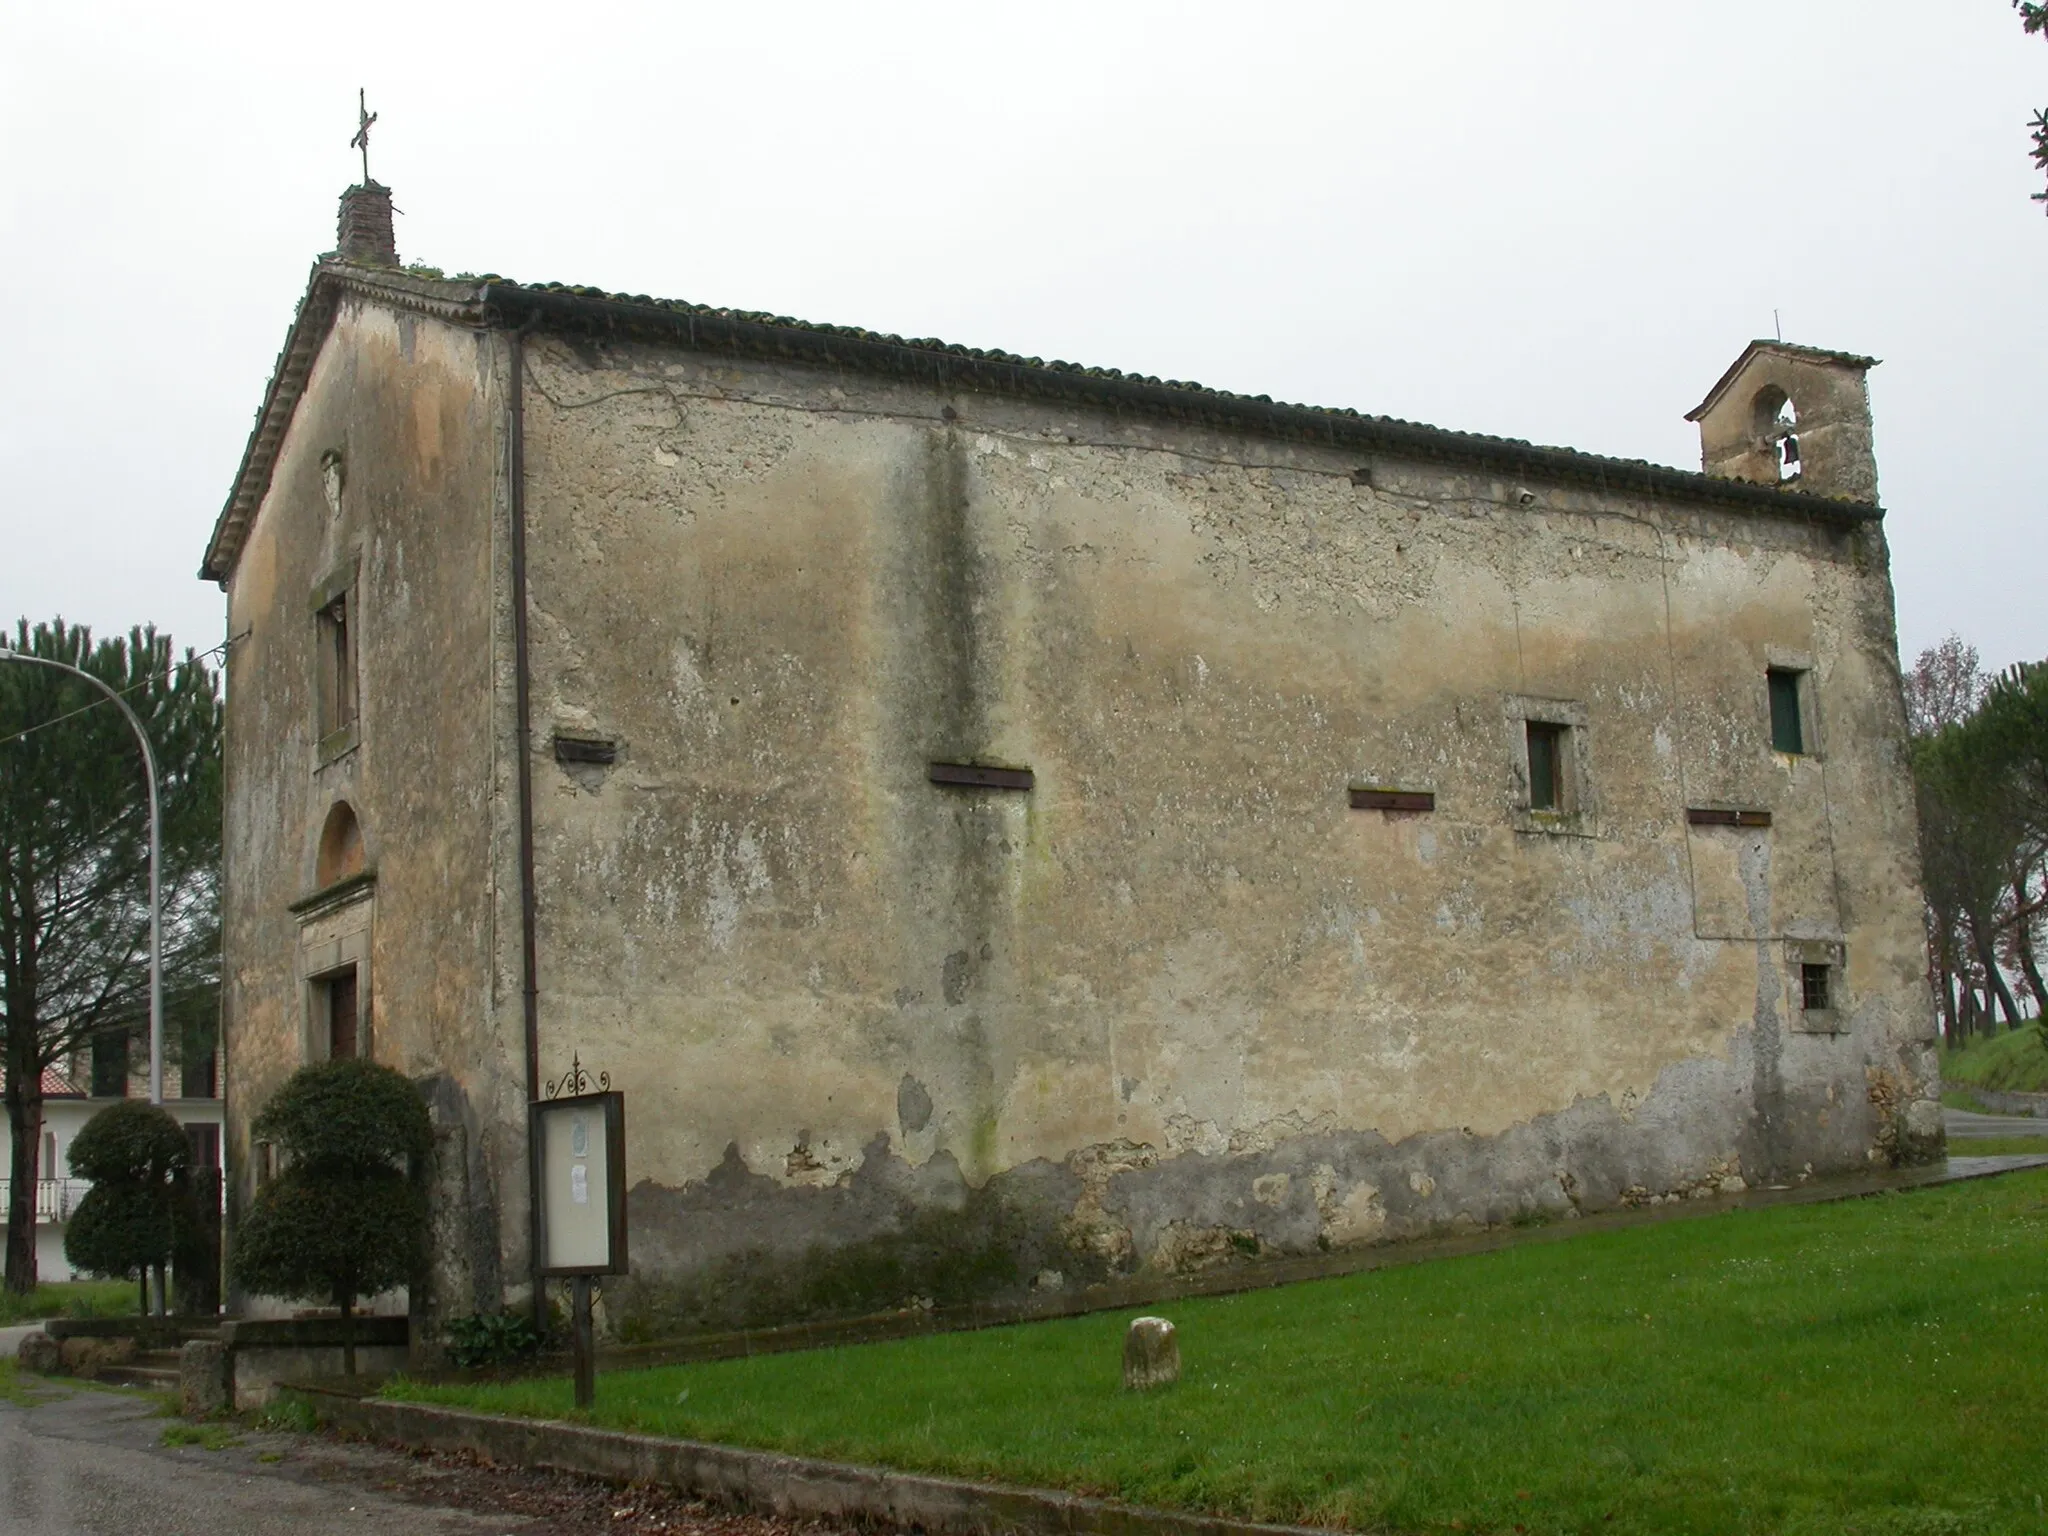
x,y
75,1461
1963,1125
79,1462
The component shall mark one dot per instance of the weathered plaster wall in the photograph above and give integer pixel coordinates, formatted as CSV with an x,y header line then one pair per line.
x,y
1178,1003
413,409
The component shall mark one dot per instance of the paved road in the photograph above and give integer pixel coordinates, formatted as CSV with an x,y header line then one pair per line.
x,y
10,1338
1965,1126
77,1462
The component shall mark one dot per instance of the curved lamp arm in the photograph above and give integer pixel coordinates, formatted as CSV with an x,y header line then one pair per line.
x,y
156,937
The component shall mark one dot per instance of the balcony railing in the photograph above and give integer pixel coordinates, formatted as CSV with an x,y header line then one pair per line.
x,y
56,1199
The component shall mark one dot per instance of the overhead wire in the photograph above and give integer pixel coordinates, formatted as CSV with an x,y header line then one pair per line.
x,y
43,725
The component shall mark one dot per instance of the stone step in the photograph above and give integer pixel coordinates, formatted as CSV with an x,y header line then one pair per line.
x,y
155,1378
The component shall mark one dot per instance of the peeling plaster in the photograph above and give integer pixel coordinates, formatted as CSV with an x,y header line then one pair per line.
x,y
1177,1005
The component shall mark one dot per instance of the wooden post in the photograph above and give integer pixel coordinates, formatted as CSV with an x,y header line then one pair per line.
x,y
586,1353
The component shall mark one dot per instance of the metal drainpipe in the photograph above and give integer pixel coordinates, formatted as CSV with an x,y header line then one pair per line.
x,y
529,998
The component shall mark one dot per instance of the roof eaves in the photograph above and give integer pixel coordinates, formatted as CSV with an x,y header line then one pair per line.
x,y
952,366
287,382
493,301
330,279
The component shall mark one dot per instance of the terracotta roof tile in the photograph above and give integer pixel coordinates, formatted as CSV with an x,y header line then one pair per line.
x,y
492,301
56,1085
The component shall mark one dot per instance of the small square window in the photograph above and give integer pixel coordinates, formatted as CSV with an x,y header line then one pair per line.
x,y
1787,732
1548,774
1549,766
1816,988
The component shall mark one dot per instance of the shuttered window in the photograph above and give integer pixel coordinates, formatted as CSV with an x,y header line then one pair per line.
x,y
1547,784
1786,732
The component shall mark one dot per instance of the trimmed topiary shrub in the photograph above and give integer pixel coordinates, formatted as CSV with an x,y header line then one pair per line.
x,y
133,1217
345,1217
131,1141
348,1114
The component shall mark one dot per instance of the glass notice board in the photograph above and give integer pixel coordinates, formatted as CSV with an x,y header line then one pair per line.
x,y
580,1153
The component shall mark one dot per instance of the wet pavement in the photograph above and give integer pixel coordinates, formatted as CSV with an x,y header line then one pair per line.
x,y
75,1461
1964,1125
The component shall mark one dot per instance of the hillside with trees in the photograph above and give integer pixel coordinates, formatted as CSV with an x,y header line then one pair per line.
x,y
1980,767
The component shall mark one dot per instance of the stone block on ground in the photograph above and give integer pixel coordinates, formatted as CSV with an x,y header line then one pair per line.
x,y
89,1356
1151,1354
203,1378
40,1353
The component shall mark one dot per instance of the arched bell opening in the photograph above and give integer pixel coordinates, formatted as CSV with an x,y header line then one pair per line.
x,y
1776,422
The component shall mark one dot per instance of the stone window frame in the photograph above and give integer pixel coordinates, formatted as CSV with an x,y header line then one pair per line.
x,y
1580,816
1832,953
341,585
352,902
1778,658
352,958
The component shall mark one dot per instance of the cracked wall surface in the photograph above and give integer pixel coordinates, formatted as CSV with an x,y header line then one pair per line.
x,y
891,1042
387,486
1177,1005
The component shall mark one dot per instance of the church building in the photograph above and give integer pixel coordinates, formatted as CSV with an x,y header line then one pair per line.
x,y
1008,825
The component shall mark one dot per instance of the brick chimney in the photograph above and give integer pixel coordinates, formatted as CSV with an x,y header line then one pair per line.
x,y
365,233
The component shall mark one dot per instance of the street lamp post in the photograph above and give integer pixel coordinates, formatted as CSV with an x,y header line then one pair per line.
x,y
156,916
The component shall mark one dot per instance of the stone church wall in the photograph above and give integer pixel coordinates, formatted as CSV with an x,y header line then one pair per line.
x,y
1178,1003
385,495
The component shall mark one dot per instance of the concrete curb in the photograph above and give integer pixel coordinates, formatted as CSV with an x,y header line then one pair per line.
x,y
791,1486
2000,1101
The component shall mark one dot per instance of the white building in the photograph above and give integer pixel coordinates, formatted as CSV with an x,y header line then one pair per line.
x,y
66,1109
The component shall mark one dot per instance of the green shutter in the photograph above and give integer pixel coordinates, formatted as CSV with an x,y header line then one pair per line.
x,y
1543,766
1786,735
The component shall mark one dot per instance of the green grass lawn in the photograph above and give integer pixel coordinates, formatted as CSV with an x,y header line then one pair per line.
x,y
2015,1061
1877,1366
71,1298
1998,1146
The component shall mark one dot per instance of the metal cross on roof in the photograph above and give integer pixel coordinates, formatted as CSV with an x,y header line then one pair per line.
x,y
364,117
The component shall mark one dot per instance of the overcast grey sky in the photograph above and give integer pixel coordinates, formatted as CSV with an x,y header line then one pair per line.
x,y
1557,221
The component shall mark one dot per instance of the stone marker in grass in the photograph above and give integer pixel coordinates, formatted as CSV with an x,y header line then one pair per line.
x,y
1151,1355
38,1352
203,1379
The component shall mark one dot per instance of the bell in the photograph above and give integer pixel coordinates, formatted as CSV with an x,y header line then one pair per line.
x,y
1791,451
